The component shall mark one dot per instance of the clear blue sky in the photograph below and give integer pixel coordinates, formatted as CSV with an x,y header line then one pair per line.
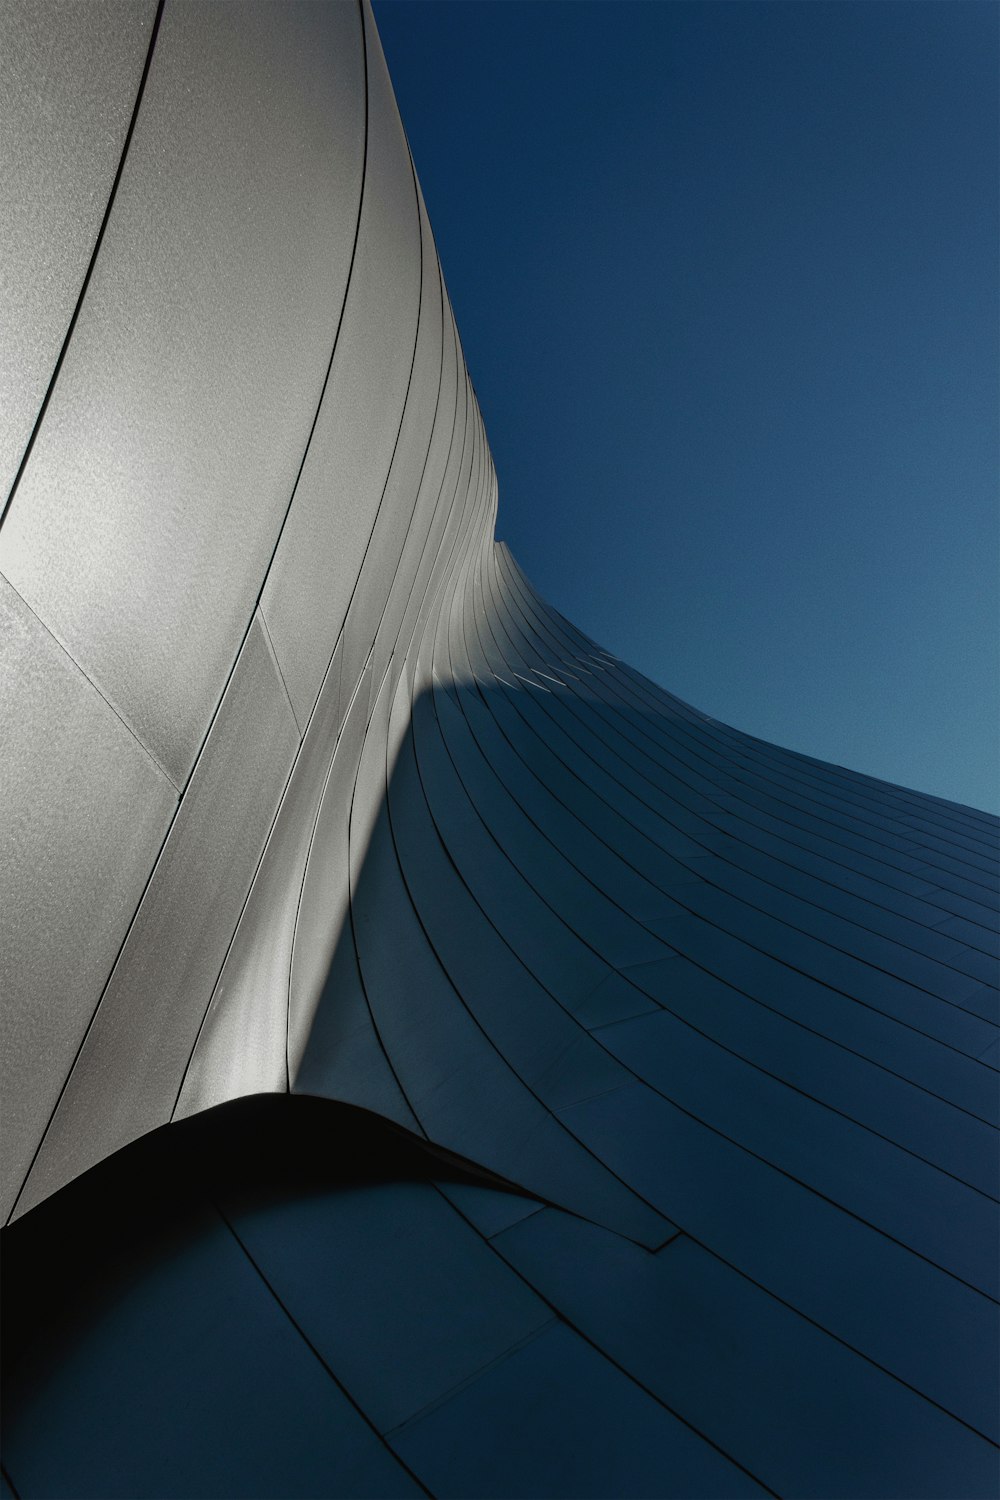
x,y
726,279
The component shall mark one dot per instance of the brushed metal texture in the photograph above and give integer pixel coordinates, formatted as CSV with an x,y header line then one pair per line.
x,y
147,515
69,76
337,498
132,1063
83,812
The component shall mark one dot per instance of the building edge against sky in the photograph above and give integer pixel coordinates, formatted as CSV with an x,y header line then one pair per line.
x,y
760,241
642,1136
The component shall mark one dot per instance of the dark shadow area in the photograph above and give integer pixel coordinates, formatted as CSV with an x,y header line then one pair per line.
x,y
151,1228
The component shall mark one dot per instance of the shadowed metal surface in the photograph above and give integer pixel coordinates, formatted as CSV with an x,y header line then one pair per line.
x,y
308,795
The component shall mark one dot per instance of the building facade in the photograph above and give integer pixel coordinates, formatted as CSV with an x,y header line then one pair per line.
x,y
435,1058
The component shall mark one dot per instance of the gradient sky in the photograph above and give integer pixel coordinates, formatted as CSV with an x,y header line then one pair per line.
x,y
726,280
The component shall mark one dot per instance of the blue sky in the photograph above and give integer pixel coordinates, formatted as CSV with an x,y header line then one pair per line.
x,y
726,279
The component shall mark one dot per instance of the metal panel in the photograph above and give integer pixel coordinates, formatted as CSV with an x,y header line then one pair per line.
x,y
70,76
949,1223
486,1209
79,834
557,1419
412,471
242,1046
584,906
451,1307
130,1068
463,1091
553,1055
868,915
334,1049
557,957
329,526
856,1283
148,512
843,943
181,1375
892,1107
807,1415
437,491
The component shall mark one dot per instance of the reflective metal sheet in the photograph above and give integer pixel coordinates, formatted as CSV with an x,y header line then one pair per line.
x,y
172,1370
805,1414
330,523
79,834
146,518
449,1305
69,75
556,1418
859,1285
130,1068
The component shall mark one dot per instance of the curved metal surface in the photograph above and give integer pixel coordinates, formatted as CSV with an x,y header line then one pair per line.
x,y
306,791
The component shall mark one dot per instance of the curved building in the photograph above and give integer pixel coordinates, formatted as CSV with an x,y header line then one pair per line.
x,y
435,1059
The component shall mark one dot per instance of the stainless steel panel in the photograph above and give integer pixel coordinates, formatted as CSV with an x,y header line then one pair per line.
x,y
465,1093
333,1046
147,515
411,474
947,1222
242,1045
428,560
892,1107
556,1059
551,950
130,1068
435,496
779,884
487,1209
558,1419
83,812
857,1284
324,898
337,498
69,77
609,930
173,1370
804,1413
452,1306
